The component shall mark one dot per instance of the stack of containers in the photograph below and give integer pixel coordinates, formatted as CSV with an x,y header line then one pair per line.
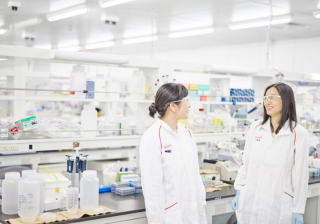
x,y
137,187
125,190
199,92
204,92
116,185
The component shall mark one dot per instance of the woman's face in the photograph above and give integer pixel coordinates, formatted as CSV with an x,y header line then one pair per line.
x,y
182,110
274,105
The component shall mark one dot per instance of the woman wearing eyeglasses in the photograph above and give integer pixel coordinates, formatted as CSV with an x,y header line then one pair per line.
x,y
272,183
172,186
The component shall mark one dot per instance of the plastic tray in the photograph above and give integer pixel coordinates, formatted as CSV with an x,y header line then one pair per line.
x,y
116,185
125,190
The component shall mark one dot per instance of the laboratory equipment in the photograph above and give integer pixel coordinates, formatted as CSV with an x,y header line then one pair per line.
x,y
70,161
63,199
227,169
89,190
10,193
137,85
76,147
89,121
137,186
316,163
90,90
125,190
83,163
78,82
48,217
116,185
72,201
120,174
207,183
104,189
27,124
29,198
130,177
53,184
233,154
26,173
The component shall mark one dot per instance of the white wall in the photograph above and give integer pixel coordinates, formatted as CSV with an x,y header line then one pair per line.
x,y
300,55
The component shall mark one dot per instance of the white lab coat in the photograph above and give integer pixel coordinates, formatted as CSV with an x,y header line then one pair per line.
x,y
273,180
172,187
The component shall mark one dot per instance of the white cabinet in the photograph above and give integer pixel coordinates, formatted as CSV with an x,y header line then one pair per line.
x,y
138,221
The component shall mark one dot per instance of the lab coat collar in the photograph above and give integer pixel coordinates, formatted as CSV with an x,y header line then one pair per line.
x,y
167,127
285,130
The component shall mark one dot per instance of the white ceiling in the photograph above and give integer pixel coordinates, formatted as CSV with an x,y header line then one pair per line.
x,y
135,20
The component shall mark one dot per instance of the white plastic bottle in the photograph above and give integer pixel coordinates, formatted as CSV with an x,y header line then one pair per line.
x,y
41,184
89,119
137,85
10,193
100,85
72,200
29,198
26,173
78,82
89,190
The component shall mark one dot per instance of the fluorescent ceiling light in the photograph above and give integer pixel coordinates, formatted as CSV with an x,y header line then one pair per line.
x,y
315,76
65,13
191,33
2,31
99,45
110,3
316,14
26,23
259,23
140,40
43,46
3,59
73,48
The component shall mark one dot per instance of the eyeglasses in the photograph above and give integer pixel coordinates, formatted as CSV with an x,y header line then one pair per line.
x,y
186,100
271,98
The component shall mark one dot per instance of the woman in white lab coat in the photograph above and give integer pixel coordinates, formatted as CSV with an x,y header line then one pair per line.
x,y
272,183
172,187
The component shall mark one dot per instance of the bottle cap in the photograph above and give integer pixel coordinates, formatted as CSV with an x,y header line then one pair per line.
x,y
90,173
26,173
12,176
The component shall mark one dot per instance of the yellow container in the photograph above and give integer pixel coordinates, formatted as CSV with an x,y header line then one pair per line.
x,y
193,87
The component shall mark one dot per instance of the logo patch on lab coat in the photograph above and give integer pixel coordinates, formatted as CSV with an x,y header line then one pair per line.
x,y
168,150
167,146
258,138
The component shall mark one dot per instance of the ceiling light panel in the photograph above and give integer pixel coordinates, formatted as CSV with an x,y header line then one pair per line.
x,y
100,45
72,48
260,23
191,33
110,3
66,13
2,31
140,40
26,23
316,14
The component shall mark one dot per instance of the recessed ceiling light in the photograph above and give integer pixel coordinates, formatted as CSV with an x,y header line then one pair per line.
x,y
72,48
4,59
191,33
65,13
100,45
316,14
2,31
26,23
140,40
110,3
260,22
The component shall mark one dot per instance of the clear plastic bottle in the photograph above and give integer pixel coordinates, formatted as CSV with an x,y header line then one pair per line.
x,y
137,85
29,198
89,117
10,193
41,184
72,200
100,85
89,190
78,81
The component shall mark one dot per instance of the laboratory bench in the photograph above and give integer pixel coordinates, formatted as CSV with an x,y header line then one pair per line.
x,y
131,209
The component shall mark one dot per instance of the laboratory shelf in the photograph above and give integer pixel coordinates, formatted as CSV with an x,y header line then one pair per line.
x,y
89,142
221,103
68,99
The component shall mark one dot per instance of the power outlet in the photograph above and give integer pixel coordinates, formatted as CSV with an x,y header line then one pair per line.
x,y
220,209
9,148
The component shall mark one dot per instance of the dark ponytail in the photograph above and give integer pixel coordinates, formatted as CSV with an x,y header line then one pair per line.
x,y
167,93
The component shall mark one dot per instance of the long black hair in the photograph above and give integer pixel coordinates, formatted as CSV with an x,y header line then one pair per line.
x,y
167,93
288,106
